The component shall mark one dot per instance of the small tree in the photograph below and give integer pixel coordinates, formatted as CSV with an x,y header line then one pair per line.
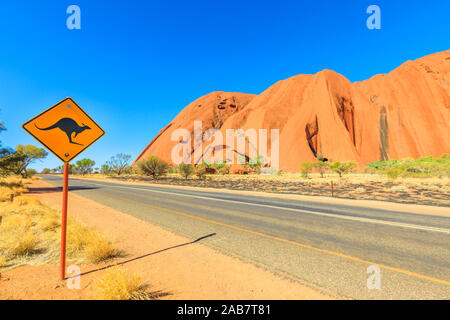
x,y
153,166
119,163
222,167
306,169
45,171
30,172
343,168
10,160
185,170
106,169
58,169
85,166
29,153
201,170
321,167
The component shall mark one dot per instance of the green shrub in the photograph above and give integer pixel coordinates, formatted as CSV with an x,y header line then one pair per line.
x,y
186,170
344,167
321,167
222,167
153,166
200,172
393,173
306,169
425,167
30,172
224,170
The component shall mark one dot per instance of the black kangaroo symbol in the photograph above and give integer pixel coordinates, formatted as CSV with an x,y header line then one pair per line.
x,y
69,126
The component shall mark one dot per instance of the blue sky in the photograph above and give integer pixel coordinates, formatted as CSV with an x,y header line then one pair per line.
x,y
135,64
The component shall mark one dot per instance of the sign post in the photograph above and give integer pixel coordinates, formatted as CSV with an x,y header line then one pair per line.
x,y
66,130
64,220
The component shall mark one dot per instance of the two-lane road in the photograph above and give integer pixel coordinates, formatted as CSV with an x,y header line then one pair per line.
x,y
325,246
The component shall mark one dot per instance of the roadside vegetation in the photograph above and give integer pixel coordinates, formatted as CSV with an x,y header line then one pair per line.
x,y
428,167
30,231
119,166
117,284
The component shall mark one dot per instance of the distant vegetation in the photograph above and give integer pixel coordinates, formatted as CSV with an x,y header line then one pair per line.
x,y
156,167
153,166
419,168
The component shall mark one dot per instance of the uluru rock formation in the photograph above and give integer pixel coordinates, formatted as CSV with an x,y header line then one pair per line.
x,y
390,116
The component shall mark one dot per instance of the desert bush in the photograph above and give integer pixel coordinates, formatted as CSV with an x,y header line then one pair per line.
x,y
200,171
172,169
321,167
30,172
46,171
117,284
224,170
393,173
106,169
185,170
425,167
119,164
222,167
256,163
306,169
344,167
85,166
153,166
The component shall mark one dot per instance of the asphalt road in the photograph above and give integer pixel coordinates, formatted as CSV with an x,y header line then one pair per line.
x,y
325,246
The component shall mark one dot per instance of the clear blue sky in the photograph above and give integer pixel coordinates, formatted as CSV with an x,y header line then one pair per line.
x,y
135,64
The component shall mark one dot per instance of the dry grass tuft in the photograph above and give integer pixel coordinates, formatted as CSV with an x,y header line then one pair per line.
x,y
2,261
24,200
21,244
12,182
30,232
94,247
116,284
398,188
99,249
5,193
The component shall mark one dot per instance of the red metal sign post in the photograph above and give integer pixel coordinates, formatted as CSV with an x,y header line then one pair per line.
x,y
64,220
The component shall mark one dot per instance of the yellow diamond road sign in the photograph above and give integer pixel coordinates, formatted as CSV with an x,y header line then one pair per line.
x,y
65,129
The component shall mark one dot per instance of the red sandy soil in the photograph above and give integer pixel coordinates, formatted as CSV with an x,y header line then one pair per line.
x,y
193,271
390,116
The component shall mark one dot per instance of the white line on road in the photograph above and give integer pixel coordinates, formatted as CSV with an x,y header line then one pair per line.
x,y
359,219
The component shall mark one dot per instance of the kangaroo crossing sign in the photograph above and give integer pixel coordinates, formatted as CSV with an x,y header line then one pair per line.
x,y
65,129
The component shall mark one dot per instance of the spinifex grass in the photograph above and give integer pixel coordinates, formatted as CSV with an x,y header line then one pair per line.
x,y
30,233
